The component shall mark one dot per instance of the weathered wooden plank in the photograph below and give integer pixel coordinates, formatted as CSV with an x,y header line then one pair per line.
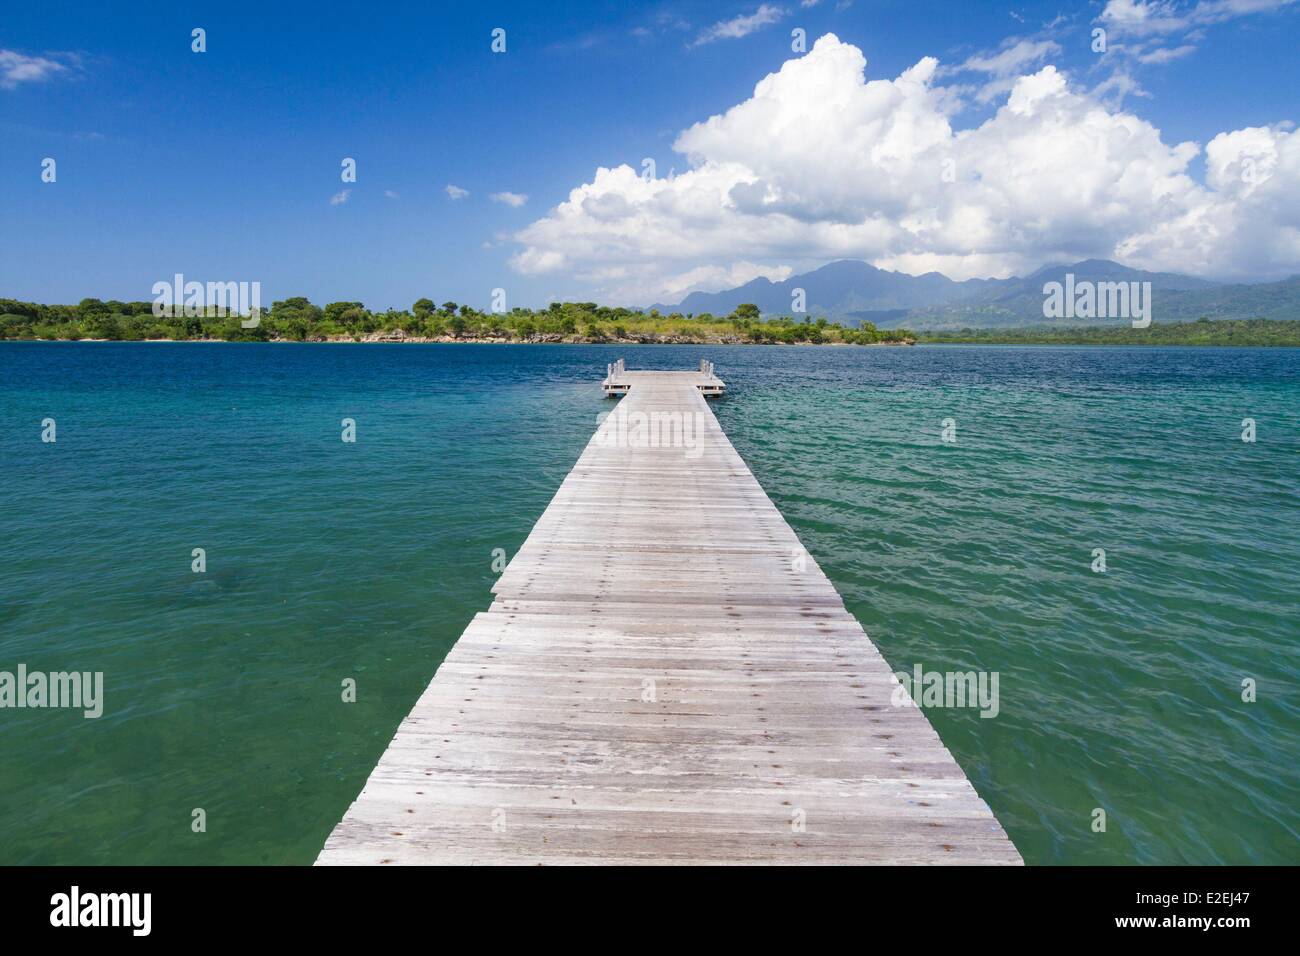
x,y
665,676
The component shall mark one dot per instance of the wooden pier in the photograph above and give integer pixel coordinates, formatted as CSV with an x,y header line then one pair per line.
x,y
665,676
619,381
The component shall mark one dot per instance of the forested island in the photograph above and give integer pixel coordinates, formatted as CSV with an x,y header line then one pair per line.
x,y
298,320
1201,332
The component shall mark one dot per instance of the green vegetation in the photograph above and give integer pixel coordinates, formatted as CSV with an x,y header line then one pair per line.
x,y
298,320
1203,331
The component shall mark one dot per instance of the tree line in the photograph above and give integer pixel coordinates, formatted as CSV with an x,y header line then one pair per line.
x,y
1204,331
297,319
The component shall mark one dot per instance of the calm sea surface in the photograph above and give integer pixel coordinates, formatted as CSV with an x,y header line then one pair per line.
x,y
327,561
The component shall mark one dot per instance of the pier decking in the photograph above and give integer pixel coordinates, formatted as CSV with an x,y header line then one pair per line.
x,y
619,381
665,676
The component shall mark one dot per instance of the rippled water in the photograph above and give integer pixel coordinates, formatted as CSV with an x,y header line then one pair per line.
x,y
329,560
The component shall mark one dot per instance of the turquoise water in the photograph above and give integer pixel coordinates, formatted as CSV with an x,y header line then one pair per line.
x,y
328,561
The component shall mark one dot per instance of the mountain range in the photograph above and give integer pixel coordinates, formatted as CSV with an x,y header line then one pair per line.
x,y
852,292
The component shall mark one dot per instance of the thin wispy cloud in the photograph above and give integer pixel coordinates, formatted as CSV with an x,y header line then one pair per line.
x,y
1159,31
1154,17
662,22
1166,54
510,199
1117,87
391,194
455,192
582,42
741,26
340,198
1014,55
18,68
1148,33
1004,65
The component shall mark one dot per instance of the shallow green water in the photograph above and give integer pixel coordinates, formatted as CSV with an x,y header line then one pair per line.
x,y
329,561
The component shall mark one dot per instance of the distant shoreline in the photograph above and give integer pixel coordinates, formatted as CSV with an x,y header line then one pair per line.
x,y
298,320
580,325
923,341
572,323
448,341
1249,333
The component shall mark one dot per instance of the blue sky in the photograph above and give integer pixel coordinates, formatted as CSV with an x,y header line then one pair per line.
x,y
223,165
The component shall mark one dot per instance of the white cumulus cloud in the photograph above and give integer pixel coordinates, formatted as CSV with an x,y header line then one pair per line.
x,y
820,163
455,192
